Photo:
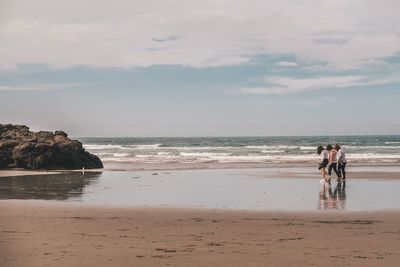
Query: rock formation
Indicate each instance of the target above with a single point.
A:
(22, 148)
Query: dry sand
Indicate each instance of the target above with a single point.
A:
(38, 233)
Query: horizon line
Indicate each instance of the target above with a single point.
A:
(231, 136)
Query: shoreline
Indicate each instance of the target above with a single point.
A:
(387, 172)
(48, 234)
(127, 166)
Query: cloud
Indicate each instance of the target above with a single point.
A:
(286, 64)
(166, 39)
(65, 33)
(286, 85)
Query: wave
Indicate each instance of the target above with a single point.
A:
(229, 158)
(201, 147)
(164, 153)
(121, 155)
(272, 151)
(181, 151)
(96, 148)
(369, 147)
(145, 146)
(273, 147)
(372, 156)
(204, 154)
(102, 147)
(308, 148)
(121, 147)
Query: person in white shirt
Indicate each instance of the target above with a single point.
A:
(333, 161)
(341, 158)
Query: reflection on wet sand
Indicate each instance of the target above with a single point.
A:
(335, 199)
(60, 186)
(211, 189)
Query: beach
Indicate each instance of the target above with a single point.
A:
(199, 133)
(44, 234)
(152, 218)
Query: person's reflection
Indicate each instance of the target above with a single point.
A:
(335, 199)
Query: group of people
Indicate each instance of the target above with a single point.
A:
(335, 159)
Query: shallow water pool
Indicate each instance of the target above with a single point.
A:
(212, 189)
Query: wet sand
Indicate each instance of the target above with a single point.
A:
(22, 172)
(312, 166)
(51, 233)
(358, 171)
(38, 233)
(269, 189)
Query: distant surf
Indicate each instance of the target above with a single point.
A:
(366, 149)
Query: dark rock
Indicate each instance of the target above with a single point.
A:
(8, 127)
(22, 148)
(45, 134)
(61, 133)
(3, 160)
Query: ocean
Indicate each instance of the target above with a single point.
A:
(296, 149)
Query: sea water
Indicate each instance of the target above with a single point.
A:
(367, 149)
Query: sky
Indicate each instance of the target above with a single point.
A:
(201, 68)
